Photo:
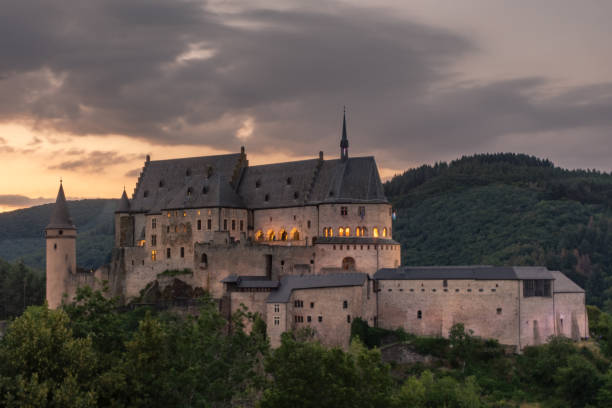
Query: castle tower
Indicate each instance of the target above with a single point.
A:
(61, 251)
(344, 144)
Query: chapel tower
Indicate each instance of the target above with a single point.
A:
(344, 144)
(60, 235)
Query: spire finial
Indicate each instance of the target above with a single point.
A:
(344, 144)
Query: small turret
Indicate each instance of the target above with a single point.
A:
(60, 235)
(124, 203)
(344, 144)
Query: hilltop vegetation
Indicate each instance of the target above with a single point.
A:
(22, 233)
(91, 353)
(508, 209)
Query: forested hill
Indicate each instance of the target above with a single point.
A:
(22, 232)
(508, 209)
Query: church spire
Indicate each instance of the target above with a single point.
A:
(124, 203)
(60, 218)
(344, 144)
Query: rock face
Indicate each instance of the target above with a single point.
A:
(402, 353)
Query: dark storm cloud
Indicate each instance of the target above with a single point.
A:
(117, 67)
(93, 162)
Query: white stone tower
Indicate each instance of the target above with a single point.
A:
(61, 251)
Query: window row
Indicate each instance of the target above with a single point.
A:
(282, 235)
(367, 247)
(420, 313)
(300, 319)
(360, 211)
(169, 254)
(300, 303)
(359, 232)
(445, 290)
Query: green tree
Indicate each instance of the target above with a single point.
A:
(42, 364)
(579, 381)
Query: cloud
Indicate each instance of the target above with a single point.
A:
(8, 200)
(182, 72)
(2, 141)
(133, 173)
(93, 162)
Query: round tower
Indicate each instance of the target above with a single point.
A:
(60, 235)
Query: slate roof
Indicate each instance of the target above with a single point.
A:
(290, 283)
(60, 217)
(251, 281)
(563, 284)
(226, 181)
(195, 182)
(124, 203)
(477, 272)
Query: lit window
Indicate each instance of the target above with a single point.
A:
(384, 232)
(357, 232)
(184, 213)
(169, 215)
(331, 232)
(347, 231)
(340, 232)
(259, 236)
(375, 232)
(154, 255)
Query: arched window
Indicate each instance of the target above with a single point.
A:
(357, 232)
(364, 231)
(340, 232)
(375, 232)
(384, 234)
(271, 235)
(348, 263)
(204, 259)
(295, 234)
(325, 232)
(331, 231)
(259, 235)
(283, 235)
(347, 231)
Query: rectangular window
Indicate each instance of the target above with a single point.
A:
(445, 283)
(298, 303)
(154, 255)
(241, 225)
(153, 240)
(233, 225)
(343, 210)
(209, 224)
(182, 252)
(276, 308)
(276, 320)
(536, 287)
(308, 319)
(224, 225)
(308, 223)
(320, 319)
(348, 318)
(499, 310)
(199, 225)
(312, 305)
(153, 223)
(345, 304)
(298, 319)
(168, 253)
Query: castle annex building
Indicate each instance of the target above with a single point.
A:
(303, 243)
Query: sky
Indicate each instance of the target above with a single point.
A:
(88, 89)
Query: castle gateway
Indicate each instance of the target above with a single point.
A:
(305, 244)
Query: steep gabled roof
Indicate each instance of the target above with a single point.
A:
(194, 182)
(124, 203)
(60, 218)
(563, 284)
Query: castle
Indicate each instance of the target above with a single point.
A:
(304, 244)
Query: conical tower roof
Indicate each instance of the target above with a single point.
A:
(60, 218)
(124, 203)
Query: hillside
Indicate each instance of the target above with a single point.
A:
(504, 209)
(22, 233)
